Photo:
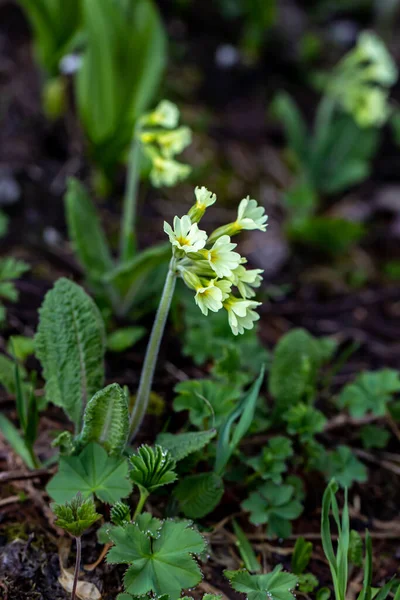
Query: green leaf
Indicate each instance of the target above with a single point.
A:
(199, 494)
(333, 236)
(70, 344)
(120, 513)
(356, 548)
(180, 445)
(55, 24)
(271, 463)
(373, 436)
(76, 516)
(305, 421)
(301, 555)
(106, 420)
(370, 391)
(152, 468)
(284, 109)
(227, 441)
(164, 565)
(122, 65)
(7, 374)
(307, 583)
(276, 585)
(294, 369)
(85, 232)
(245, 549)
(16, 441)
(345, 467)
(21, 347)
(208, 402)
(125, 338)
(275, 505)
(92, 472)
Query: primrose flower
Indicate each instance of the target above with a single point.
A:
(209, 298)
(204, 199)
(171, 142)
(185, 235)
(371, 49)
(166, 171)
(166, 114)
(221, 258)
(245, 280)
(251, 216)
(241, 315)
(225, 286)
(368, 107)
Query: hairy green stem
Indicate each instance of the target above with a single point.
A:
(144, 494)
(77, 566)
(146, 378)
(128, 218)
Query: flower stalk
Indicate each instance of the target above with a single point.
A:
(128, 218)
(77, 565)
(146, 378)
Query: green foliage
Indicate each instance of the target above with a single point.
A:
(271, 463)
(242, 417)
(294, 369)
(345, 467)
(120, 513)
(181, 445)
(91, 472)
(301, 555)
(338, 563)
(373, 436)
(106, 420)
(370, 392)
(10, 269)
(21, 347)
(330, 235)
(76, 516)
(199, 494)
(305, 421)
(211, 339)
(55, 25)
(27, 413)
(160, 562)
(124, 338)
(86, 233)
(152, 468)
(276, 585)
(70, 344)
(275, 505)
(356, 548)
(245, 549)
(208, 402)
(307, 583)
(122, 65)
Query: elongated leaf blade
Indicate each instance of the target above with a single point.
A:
(70, 344)
(15, 440)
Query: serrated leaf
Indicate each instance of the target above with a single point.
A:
(345, 468)
(92, 472)
(307, 583)
(370, 391)
(301, 555)
(70, 344)
(199, 494)
(106, 420)
(373, 436)
(85, 231)
(356, 548)
(277, 585)
(294, 369)
(76, 516)
(152, 468)
(181, 445)
(164, 565)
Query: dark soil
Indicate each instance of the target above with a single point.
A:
(241, 151)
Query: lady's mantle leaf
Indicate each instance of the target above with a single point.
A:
(152, 467)
(164, 565)
(277, 585)
(92, 472)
